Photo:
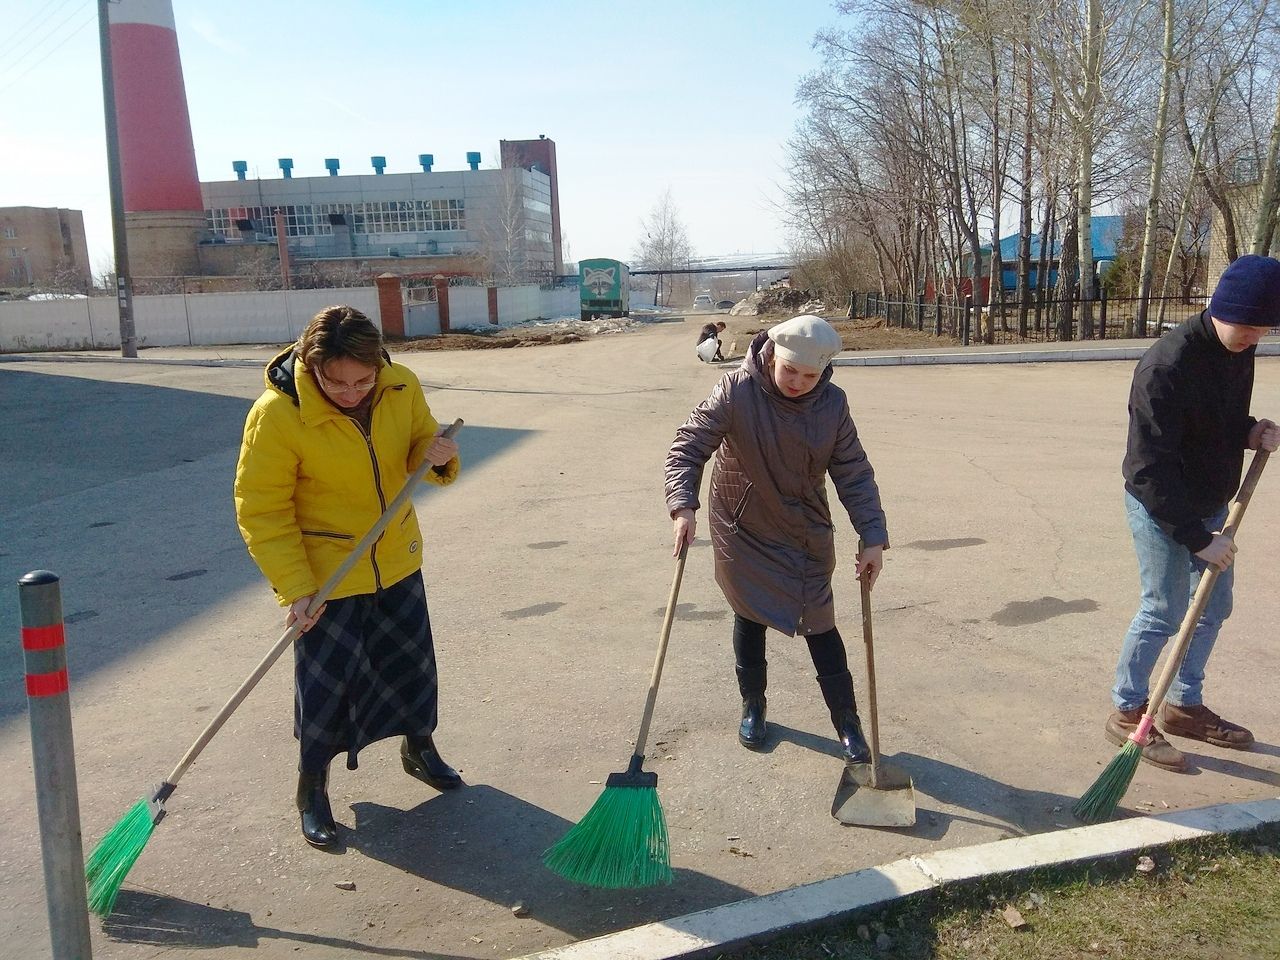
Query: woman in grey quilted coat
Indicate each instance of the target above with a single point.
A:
(778, 427)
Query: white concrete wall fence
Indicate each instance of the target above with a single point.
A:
(469, 306)
(195, 319)
(422, 319)
(170, 320)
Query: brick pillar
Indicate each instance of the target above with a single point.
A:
(390, 304)
(442, 301)
(493, 304)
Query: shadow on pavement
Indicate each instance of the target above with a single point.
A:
(482, 841)
(124, 490)
(160, 921)
(997, 805)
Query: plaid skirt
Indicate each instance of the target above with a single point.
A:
(365, 671)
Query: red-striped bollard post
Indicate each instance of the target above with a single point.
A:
(53, 755)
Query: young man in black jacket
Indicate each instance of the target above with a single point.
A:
(1189, 426)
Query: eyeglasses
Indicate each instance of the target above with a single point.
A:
(335, 386)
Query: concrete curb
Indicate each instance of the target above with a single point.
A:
(146, 361)
(1073, 355)
(736, 925)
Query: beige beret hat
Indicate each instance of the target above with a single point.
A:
(808, 341)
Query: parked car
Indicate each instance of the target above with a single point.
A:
(724, 304)
(702, 302)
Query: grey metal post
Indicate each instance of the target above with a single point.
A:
(53, 756)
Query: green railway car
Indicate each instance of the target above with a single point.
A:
(604, 288)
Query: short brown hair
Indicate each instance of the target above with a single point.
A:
(337, 332)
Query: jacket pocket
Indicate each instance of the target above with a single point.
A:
(740, 508)
(327, 534)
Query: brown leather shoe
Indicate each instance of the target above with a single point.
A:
(1201, 723)
(1158, 751)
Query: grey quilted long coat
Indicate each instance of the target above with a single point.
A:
(771, 529)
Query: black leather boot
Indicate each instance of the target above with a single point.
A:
(751, 684)
(421, 760)
(837, 691)
(318, 828)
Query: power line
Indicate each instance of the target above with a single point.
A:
(12, 83)
(52, 34)
(16, 38)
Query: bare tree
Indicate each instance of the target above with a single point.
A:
(1264, 226)
(665, 244)
(502, 231)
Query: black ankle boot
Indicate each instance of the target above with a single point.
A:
(751, 684)
(318, 828)
(849, 730)
(420, 759)
(837, 691)
(752, 729)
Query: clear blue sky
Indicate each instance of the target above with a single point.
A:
(696, 96)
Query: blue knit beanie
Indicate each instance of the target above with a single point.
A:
(1248, 292)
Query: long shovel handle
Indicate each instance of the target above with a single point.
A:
(872, 713)
(291, 634)
(1207, 581)
(643, 736)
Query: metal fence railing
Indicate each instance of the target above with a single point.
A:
(1045, 320)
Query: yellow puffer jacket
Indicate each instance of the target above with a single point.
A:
(309, 483)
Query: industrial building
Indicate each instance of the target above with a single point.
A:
(43, 247)
(502, 223)
(498, 223)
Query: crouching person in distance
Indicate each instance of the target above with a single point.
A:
(330, 442)
(778, 426)
(1189, 426)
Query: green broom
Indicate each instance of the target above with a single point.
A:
(1100, 800)
(622, 841)
(119, 849)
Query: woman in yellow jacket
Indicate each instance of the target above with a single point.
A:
(330, 442)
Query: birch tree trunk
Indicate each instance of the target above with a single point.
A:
(1157, 172)
(1268, 194)
(1084, 203)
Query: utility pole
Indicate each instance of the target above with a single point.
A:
(124, 283)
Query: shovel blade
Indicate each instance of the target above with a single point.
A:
(890, 803)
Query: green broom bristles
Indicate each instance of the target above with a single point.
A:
(1100, 801)
(115, 855)
(621, 842)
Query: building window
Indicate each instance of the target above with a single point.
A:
(312, 220)
(10, 233)
(15, 273)
(14, 253)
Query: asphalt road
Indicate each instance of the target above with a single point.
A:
(1007, 590)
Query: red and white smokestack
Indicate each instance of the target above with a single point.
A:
(157, 155)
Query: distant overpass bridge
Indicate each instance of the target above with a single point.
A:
(753, 269)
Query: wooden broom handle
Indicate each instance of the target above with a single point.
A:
(321, 595)
(1207, 581)
(643, 736)
(869, 644)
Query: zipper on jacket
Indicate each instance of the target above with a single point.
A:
(741, 508)
(382, 500)
(327, 533)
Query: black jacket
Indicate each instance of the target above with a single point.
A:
(1188, 426)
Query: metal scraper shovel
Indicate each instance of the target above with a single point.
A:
(874, 794)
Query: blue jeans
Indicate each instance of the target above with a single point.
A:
(1165, 568)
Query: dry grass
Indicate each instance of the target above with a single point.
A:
(862, 333)
(488, 341)
(1217, 898)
